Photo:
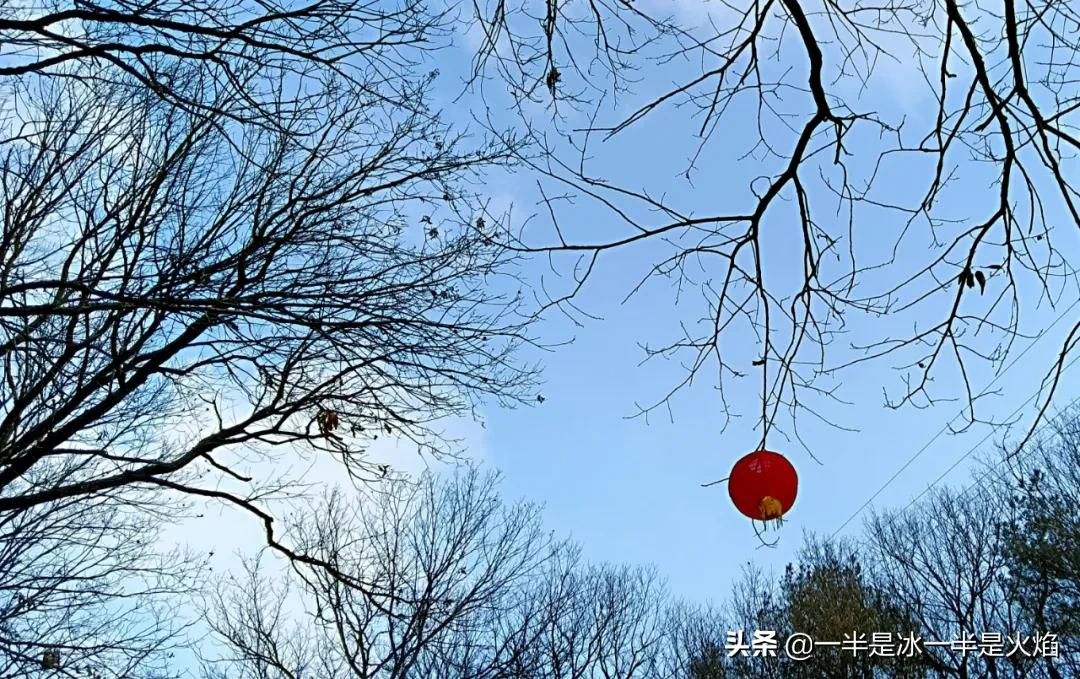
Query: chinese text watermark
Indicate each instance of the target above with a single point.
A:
(801, 646)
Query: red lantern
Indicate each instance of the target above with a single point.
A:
(763, 485)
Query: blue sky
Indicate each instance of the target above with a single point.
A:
(630, 491)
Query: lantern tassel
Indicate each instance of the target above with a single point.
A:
(771, 509)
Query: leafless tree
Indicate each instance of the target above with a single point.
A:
(177, 292)
(694, 643)
(1043, 543)
(449, 553)
(928, 238)
(249, 61)
(945, 560)
(480, 591)
(86, 591)
(484, 594)
(232, 233)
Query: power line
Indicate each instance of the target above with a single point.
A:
(948, 424)
(981, 479)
